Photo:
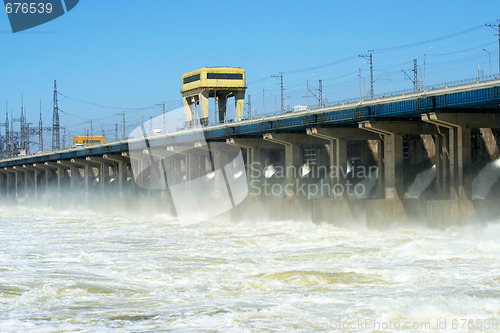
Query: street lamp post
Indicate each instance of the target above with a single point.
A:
(425, 83)
(264, 100)
(360, 91)
(489, 55)
(275, 104)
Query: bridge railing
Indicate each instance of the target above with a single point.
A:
(482, 78)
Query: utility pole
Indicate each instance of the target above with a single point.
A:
(40, 130)
(320, 93)
(7, 132)
(64, 138)
(116, 131)
(123, 128)
(282, 98)
(493, 26)
(415, 75)
(102, 130)
(56, 143)
(22, 127)
(369, 57)
(249, 107)
(489, 58)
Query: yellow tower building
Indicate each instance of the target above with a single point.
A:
(217, 82)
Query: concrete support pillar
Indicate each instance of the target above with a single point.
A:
(46, 178)
(490, 143)
(74, 176)
(35, 183)
(103, 177)
(441, 165)
(464, 163)
(17, 185)
(193, 166)
(86, 179)
(377, 148)
(189, 109)
(203, 98)
(26, 176)
(60, 177)
(122, 174)
(239, 102)
(222, 107)
(10, 187)
(393, 166)
(2, 183)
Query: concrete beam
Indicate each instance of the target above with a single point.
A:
(66, 164)
(114, 157)
(291, 138)
(341, 133)
(468, 120)
(398, 127)
(96, 160)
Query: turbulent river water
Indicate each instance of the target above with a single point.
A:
(82, 271)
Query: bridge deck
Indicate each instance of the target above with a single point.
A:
(480, 96)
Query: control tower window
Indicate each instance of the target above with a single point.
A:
(191, 78)
(224, 76)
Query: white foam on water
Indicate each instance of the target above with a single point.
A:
(85, 271)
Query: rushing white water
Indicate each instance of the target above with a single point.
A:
(421, 183)
(83, 271)
(482, 183)
(366, 184)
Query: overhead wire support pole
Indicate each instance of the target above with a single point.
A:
(494, 27)
(282, 98)
(415, 75)
(55, 122)
(320, 93)
(369, 57)
(40, 130)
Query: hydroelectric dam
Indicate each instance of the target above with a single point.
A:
(426, 155)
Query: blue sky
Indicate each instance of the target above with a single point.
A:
(131, 54)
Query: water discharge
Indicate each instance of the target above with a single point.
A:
(487, 177)
(83, 271)
(421, 183)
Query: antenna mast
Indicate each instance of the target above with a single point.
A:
(56, 143)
